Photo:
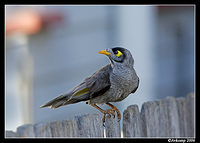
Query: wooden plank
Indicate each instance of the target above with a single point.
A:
(174, 129)
(42, 130)
(57, 129)
(112, 126)
(151, 112)
(163, 128)
(90, 125)
(11, 134)
(26, 130)
(70, 128)
(132, 122)
(181, 107)
(154, 119)
(190, 115)
(143, 116)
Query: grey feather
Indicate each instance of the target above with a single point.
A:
(99, 81)
(58, 101)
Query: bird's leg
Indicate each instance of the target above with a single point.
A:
(109, 111)
(97, 107)
(115, 109)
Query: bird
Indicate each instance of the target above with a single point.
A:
(112, 83)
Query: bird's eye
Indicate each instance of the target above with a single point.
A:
(118, 53)
(115, 52)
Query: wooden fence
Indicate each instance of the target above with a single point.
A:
(171, 117)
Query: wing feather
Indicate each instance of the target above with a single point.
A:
(94, 85)
(99, 81)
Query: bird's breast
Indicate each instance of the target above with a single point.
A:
(122, 82)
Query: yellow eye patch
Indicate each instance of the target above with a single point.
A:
(119, 53)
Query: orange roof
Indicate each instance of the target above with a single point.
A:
(29, 21)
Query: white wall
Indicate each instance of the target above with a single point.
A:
(19, 82)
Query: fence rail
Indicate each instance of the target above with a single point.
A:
(170, 117)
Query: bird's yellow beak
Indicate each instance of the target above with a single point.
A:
(104, 52)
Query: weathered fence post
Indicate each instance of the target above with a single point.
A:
(181, 106)
(70, 128)
(112, 126)
(190, 114)
(174, 129)
(11, 134)
(57, 129)
(42, 130)
(132, 124)
(26, 131)
(150, 114)
(90, 125)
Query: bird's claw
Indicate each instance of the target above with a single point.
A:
(111, 112)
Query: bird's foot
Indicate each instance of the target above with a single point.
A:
(115, 109)
(111, 112)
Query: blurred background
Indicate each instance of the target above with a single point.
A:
(50, 49)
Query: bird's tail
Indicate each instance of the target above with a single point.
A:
(73, 96)
(58, 101)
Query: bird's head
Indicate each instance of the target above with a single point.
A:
(119, 56)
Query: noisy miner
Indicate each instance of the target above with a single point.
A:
(112, 83)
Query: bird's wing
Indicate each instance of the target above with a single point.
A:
(93, 86)
(99, 82)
